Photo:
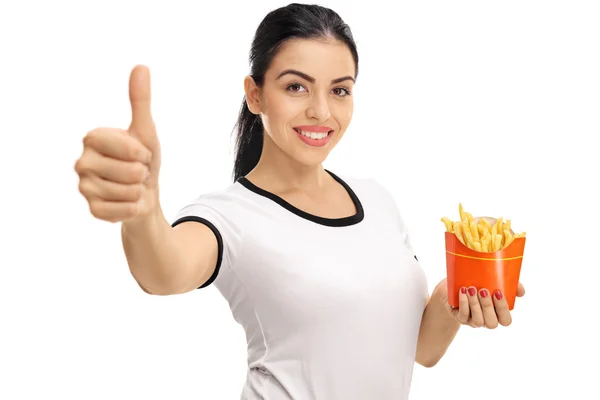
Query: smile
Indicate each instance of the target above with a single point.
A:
(313, 135)
(314, 138)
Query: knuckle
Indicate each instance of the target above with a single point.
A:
(135, 192)
(474, 304)
(83, 187)
(478, 322)
(96, 209)
(90, 137)
(138, 172)
(86, 139)
(463, 318)
(491, 324)
(80, 165)
(132, 152)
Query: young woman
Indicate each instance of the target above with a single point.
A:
(317, 268)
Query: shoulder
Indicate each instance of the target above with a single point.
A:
(223, 201)
(220, 210)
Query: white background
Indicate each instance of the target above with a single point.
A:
(492, 104)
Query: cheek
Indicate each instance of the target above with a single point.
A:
(344, 114)
(274, 108)
(278, 111)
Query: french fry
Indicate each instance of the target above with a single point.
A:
(487, 224)
(479, 234)
(469, 217)
(467, 234)
(494, 234)
(448, 224)
(458, 232)
(509, 238)
(474, 231)
(486, 243)
(500, 229)
(498, 242)
(481, 228)
(461, 211)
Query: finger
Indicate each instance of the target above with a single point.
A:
(476, 313)
(117, 144)
(115, 211)
(463, 307)
(502, 311)
(91, 186)
(520, 290)
(142, 124)
(128, 172)
(487, 308)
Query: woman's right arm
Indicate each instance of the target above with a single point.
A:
(166, 260)
(118, 176)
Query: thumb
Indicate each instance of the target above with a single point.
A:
(142, 125)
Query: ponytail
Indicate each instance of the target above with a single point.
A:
(248, 143)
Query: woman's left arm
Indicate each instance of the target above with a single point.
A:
(441, 322)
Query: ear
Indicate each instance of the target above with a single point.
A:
(252, 95)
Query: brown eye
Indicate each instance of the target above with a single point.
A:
(295, 87)
(341, 92)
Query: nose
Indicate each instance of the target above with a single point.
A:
(318, 108)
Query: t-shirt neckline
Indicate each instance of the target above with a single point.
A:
(333, 222)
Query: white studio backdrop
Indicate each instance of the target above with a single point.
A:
(492, 104)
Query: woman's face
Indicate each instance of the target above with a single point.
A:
(306, 99)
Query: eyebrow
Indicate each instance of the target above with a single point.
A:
(310, 78)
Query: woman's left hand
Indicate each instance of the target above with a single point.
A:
(482, 308)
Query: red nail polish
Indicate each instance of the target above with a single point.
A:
(463, 290)
(483, 293)
(472, 291)
(498, 295)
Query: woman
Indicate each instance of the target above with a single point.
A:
(317, 268)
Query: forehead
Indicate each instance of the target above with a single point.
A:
(321, 59)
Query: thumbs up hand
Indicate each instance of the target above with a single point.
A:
(118, 169)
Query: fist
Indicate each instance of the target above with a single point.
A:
(118, 169)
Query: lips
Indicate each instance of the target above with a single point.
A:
(314, 136)
(313, 128)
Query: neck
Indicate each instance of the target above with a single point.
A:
(279, 172)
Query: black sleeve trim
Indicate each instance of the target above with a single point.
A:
(219, 243)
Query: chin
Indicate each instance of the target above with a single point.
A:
(310, 157)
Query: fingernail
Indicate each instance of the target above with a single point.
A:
(483, 293)
(463, 290)
(472, 291)
(498, 295)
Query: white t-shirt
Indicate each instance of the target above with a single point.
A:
(331, 307)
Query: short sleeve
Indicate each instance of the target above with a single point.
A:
(218, 212)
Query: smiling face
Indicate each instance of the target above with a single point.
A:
(305, 101)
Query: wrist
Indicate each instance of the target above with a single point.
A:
(143, 222)
(439, 302)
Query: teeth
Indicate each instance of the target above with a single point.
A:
(314, 135)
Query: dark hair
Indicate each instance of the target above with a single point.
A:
(300, 21)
